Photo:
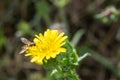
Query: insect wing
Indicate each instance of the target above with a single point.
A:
(24, 48)
(25, 41)
(22, 51)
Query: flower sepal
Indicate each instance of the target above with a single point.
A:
(63, 65)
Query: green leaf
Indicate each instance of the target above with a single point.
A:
(24, 28)
(77, 37)
(102, 60)
(69, 47)
(43, 8)
(83, 56)
(60, 3)
(3, 39)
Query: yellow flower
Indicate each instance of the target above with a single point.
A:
(46, 46)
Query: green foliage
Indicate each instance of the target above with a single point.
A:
(102, 60)
(118, 52)
(80, 14)
(42, 8)
(24, 28)
(36, 76)
(2, 39)
(60, 3)
(110, 14)
(77, 36)
(64, 64)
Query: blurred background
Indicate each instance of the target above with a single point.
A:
(93, 26)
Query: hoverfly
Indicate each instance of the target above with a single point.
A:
(26, 46)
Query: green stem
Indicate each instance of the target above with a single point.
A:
(63, 17)
(47, 19)
(59, 69)
(67, 75)
(73, 72)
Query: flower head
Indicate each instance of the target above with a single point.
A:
(47, 46)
